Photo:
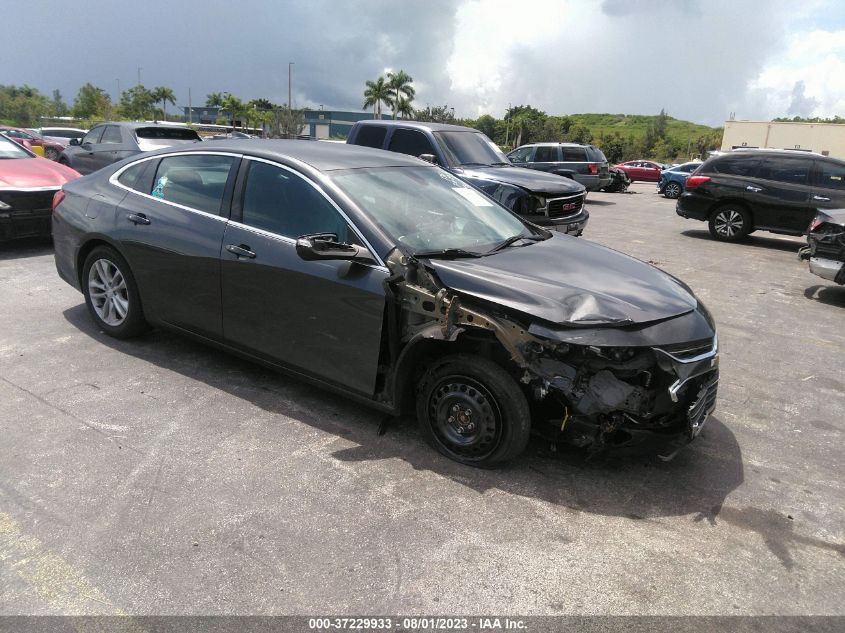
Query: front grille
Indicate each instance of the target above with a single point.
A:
(705, 401)
(559, 207)
(29, 201)
(685, 351)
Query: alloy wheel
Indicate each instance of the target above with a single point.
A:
(108, 292)
(672, 190)
(728, 223)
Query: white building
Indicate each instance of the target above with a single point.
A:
(824, 138)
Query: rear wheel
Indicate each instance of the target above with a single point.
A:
(471, 410)
(730, 223)
(673, 190)
(51, 153)
(111, 294)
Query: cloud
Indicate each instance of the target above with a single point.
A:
(801, 105)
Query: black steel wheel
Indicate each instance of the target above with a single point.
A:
(471, 410)
(111, 294)
(730, 223)
(673, 190)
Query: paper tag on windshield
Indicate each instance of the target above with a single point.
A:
(473, 196)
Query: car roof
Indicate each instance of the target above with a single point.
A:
(320, 156)
(137, 124)
(420, 125)
(553, 144)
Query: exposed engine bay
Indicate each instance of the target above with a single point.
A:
(583, 393)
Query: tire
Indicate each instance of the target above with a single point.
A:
(458, 386)
(51, 154)
(673, 190)
(111, 294)
(730, 223)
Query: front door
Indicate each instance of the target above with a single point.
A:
(171, 228)
(83, 157)
(323, 318)
(829, 185)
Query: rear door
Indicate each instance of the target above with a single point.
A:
(546, 157)
(829, 185)
(781, 194)
(171, 226)
(321, 318)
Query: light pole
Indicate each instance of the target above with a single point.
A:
(139, 75)
(118, 89)
(290, 71)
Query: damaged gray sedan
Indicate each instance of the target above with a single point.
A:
(388, 279)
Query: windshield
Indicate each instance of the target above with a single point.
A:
(470, 148)
(428, 209)
(10, 149)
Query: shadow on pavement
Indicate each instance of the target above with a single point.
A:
(600, 203)
(831, 295)
(29, 247)
(697, 481)
(756, 241)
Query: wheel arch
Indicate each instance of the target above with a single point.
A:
(730, 201)
(89, 245)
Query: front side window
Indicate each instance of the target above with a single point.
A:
(426, 208)
(195, 181)
(831, 175)
(545, 154)
(410, 142)
(93, 135)
(521, 155)
(281, 202)
(470, 148)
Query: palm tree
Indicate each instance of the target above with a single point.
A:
(165, 95)
(400, 84)
(215, 99)
(404, 109)
(376, 93)
(234, 105)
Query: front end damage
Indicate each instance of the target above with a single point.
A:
(589, 395)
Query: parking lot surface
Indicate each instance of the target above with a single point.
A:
(159, 476)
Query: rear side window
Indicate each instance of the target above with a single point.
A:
(595, 154)
(371, 136)
(171, 134)
(831, 175)
(195, 181)
(574, 155)
(283, 203)
(546, 154)
(783, 169)
(112, 135)
(410, 142)
(130, 176)
(734, 166)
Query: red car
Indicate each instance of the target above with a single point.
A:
(51, 148)
(27, 186)
(642, 170)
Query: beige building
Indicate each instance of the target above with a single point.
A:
(824, 138)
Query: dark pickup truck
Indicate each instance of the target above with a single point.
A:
(544, 199)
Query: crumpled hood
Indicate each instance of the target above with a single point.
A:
(24, 173)
(530, 179)
(569, 281)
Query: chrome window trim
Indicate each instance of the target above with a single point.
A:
(28, 189)
(319, 188)
(113, 180)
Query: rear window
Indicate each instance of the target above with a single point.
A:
(170, 134)
(371, 136)
(734, 166)
(574, 155)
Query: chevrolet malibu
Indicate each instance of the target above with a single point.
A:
(388, 279)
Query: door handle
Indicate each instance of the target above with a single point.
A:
(754, 189)
(821, 198)
(240, 251)
(138, 218)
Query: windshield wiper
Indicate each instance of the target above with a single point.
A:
(446, 253)
(501, 164)
(515, 238)
(474, 164)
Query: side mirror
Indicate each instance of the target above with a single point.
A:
(324, 246)
(75, 141)
(429, 158)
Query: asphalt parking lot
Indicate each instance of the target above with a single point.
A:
(158, 476)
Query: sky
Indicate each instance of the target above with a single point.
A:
(700, 60)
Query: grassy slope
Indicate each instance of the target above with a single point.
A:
(635, 125)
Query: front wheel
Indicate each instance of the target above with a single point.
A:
(673, 190)
(471, 410)
(111, 294)
(730, 223)
(51, 154)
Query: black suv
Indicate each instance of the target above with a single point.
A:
(543, 199)
(770, 190)
(585, 163)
